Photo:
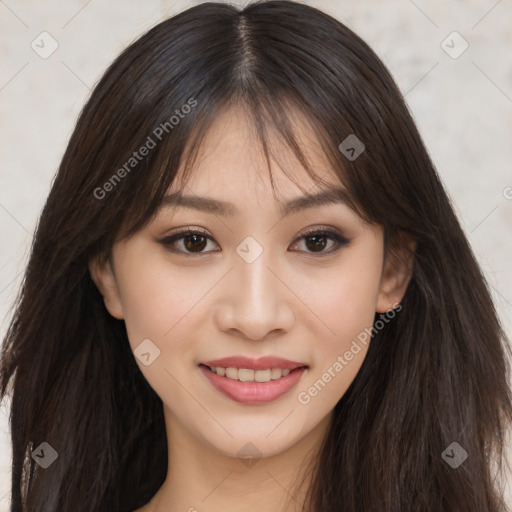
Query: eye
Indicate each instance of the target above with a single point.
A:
(194, 241)
(316, 240)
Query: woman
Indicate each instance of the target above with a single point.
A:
(248, 290)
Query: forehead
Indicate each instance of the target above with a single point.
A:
(231, 161)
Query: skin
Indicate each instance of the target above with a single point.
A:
(289, 302)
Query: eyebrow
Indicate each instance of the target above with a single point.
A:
(225, 209)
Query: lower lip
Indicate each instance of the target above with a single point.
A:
(253, 392)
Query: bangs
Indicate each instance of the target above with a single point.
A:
(275, 121)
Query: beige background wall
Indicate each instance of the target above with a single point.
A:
(462, 104)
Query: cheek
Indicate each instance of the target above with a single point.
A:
(156, 297)
(159, 304)
(346, 300)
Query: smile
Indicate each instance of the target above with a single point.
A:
(252, 387)
(248, 375)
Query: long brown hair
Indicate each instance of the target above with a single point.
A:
(437, 374)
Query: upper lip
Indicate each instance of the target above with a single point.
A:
(262, 363)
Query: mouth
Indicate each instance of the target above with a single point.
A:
(267, 382)
(251, 375)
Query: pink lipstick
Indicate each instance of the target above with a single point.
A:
(253, 381)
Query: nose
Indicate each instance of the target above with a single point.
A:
(255, 302)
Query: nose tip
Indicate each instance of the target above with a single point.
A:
(254, 327)
(255, 302)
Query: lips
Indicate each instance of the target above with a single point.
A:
(253, 392)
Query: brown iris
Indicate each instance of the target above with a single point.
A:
(318, 244)
(193, 242)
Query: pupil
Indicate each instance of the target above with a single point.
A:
(193, 245)
(316, 246)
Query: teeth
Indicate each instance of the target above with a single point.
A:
(232, 373)
(262, 375)
(247, 375)
(276, 373)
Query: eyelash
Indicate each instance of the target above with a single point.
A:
(340, 241)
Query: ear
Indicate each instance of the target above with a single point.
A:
(397, 271)
(103, 276)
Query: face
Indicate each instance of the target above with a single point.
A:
(290, 290)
